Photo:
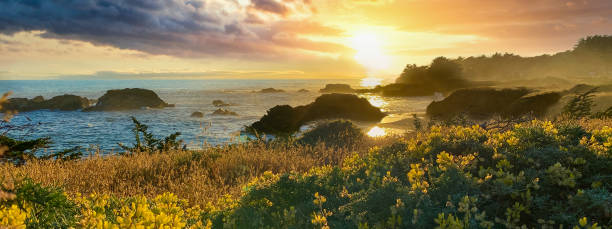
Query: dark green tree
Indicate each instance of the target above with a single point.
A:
(146, 141)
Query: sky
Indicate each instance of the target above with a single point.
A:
(187, 39)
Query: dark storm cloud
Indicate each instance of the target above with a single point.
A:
(188, 28)
(270, 6)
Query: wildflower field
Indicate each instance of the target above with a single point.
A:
(536, 174)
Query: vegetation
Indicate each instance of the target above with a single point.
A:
(581, 105)
(148, 142)
(534, 174)
(591, 56)
(442, 75)
(334, 134)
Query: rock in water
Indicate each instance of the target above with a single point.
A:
(67, 103)
(224, 112)
(285, 119)
(197, 114)
(303, 91)
(128, 99)
(485, 103)
(62, 102)
(271, 90)
(337, 88)
(220, 103)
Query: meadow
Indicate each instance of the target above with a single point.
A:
(533, 174)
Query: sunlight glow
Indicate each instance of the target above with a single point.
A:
(377, 132)
(376, 101)
(371, 82)
(369, 52)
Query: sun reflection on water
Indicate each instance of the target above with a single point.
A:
(377, 132)
(376, 101)
(370, 82)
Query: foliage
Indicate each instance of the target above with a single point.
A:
(334, 134)
(537, 174)
(36, 206)
(603, 114)
(163, 211)
(580, 106)
(148, 142)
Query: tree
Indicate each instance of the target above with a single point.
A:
(580, 106)
(148, 142)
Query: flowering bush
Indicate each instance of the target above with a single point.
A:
(535, 175)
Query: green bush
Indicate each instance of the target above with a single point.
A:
(148, 142)
(48, 207)
(334, 134)
(536, 175)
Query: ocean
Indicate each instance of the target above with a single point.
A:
(102, 131)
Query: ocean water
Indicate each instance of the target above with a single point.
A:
(103, 130)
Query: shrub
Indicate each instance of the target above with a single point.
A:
(38, 207)
(334, 134)
(149, 143)
(580, 105)
(536, 174)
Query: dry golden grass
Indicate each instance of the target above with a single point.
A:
(198, 176)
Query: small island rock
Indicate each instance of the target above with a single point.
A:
(220, 103)
(197, 114)
(224, 112)
(271, 90)
(337, 88)
(285, 119)
(128, 99)
(62, 102)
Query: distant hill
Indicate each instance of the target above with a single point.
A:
(590, 58)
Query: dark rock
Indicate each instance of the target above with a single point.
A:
(62, 102)
(303, 91)
(220, 103)
(224, 112)
(337, 88)
(284, 119)
(67, 103)
(484, 103)
(38, 99)
(128, 99)
(271, 90)
(197, 114)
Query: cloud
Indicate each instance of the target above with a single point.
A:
(270, 6)
(184, 28)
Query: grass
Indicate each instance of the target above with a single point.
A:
(198, 176)
(535, 174)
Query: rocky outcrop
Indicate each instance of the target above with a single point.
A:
(285, 119)
(337, 88)
(303, 91)
(197, 114)
(271, 90)
(224, 112)
(62, 102)
(219, 103)
(484, 103)
(128, 99)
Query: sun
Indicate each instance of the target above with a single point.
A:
(369, 51)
